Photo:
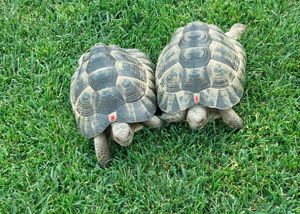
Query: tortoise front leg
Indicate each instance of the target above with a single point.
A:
(231, 118)
(102, 150)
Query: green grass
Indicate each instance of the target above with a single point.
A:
(46, 166)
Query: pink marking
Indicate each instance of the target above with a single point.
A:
(112, 117)
(196, 99)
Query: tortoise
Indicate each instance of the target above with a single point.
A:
(200, 75)
(112, 94)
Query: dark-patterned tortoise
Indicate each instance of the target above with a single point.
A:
(112, 95)
(200, 75)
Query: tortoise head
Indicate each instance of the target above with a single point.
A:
(122, 133)
(237, 30)
(241, 28)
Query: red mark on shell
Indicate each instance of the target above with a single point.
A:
(196, 99)
(112, 117)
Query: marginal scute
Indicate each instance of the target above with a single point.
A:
(237, 87)
(173, 105)
(85, 105)
(111, 79)
(86, 57)
(242, 66)
(162, 98)
(185, 99)
(209, 97)
(233, 97)
(223, 100)
(100, 121)
(241, 79)
(82, 68)
(136, 53)
(149, 101)
(76, 89)
(179, 30)
(172, 53)
(173, 44)
(85, 124)
(174, 41)
(147, 64)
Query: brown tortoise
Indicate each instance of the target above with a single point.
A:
(200, 75)
(112, 94)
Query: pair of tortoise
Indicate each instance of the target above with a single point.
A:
(199, 77)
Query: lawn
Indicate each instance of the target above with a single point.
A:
(48, 167)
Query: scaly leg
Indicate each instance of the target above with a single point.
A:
(153, 122)
(176, 117)
(213, 114)
(135, 127)
(102, 150)
(231, 118)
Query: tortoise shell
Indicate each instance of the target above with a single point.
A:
(200, 65)
(112, 84)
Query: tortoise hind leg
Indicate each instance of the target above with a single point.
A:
(213, 114)
(135, 127)
(102, 150)
(153, 122)
(176, 117)
(231, 118)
